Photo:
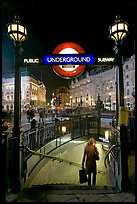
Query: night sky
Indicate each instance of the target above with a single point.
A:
(85, 23)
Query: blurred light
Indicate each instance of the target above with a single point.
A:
(63, 129)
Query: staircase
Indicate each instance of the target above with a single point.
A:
(76, 192)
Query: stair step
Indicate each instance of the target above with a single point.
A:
(38, 193)
(74, 188)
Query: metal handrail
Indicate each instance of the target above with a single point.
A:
(52, 157)
(114, 130)
(110, 152)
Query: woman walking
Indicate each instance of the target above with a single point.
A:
(89, 150)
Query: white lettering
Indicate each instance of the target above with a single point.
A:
(68, 59)
(34, 61)
(103, 59)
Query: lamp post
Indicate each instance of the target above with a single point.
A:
(18, 33)
(117, 32)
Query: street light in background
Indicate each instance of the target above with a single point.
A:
(98, 109)
(117, 32)
(18, 33)
(70, 101)
(109, 101)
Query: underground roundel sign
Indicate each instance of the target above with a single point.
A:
(72, 69)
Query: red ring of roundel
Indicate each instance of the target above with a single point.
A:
(68, 74)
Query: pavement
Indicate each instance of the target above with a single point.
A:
(44, 190)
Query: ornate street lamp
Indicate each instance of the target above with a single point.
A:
(18, 33)
(117, 32)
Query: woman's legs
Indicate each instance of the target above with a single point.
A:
(94, 178)
(89, 179)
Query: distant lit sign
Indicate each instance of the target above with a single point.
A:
(68, 67)
(102, 139)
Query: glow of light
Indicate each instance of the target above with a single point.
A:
(106, 134)
(63, 129)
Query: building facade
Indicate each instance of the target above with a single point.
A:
(33, 91)
(129, 82)
(84, 90)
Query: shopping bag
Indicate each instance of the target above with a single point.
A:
(82, 176)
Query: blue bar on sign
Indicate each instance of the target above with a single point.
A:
(58, 59)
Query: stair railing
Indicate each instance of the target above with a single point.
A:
(110, 152)
(52, 157)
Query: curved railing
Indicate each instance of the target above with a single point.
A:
(113, 159)
(110, 152)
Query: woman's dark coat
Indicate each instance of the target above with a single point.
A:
(88, 156)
